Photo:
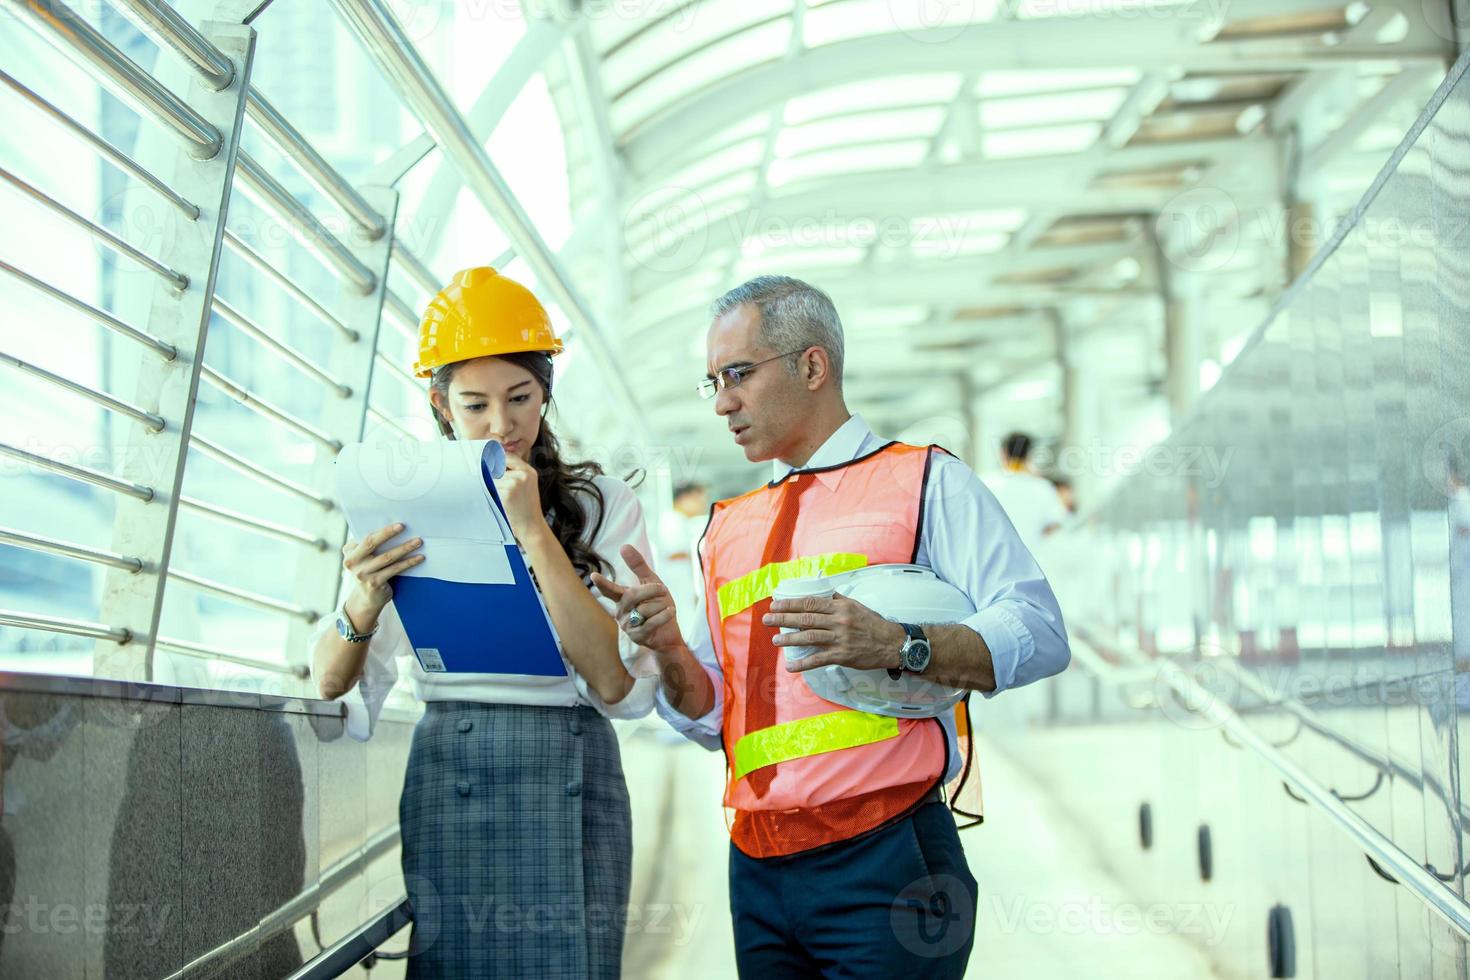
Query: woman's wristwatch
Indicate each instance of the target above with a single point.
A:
(348, 633)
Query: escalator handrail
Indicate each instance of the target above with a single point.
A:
(357, 945)
(293, 910)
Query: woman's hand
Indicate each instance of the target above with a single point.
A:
(374, 572)
(520, 494)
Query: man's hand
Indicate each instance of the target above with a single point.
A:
(659, 629)
(843, 631)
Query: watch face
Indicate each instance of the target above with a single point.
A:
(916, 655)
(347, 632)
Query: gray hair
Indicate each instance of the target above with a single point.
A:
(795, 315)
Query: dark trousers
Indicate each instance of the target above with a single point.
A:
(899, 902)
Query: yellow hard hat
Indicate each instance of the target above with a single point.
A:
(482, 313)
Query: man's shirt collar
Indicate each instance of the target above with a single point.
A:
(842, 446)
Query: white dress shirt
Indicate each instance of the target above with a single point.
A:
(966, 539)
(389, 650)
(1031, 502)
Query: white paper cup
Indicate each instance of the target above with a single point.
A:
(802, 588)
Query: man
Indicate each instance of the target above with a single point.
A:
(1030, 501)
(844, 859)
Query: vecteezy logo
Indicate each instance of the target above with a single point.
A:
(1185, 692)
(934, 916)
(1449, 19)
(1199, 229)
(666, 229)
(933, 21)
(133, 703)
(388, 888)
(141, 220)
(1445, 460)
(418, 18)
(396, 466)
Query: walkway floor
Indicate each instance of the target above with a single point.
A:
(1048, 906)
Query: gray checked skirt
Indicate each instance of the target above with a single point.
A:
(517, 843)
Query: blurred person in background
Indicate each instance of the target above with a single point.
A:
(514, 796)
(844, 859)
(680, 530)
(1030, 501)
(1066, 493)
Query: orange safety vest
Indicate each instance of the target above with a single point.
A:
(804, 772)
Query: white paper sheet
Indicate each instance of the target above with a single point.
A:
(435, 488)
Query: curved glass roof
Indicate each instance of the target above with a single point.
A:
(961, 177)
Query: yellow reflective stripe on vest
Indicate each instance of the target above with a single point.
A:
(740, 594)
(810, 736)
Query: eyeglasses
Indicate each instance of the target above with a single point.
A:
(731, 377)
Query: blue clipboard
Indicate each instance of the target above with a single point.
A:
(473, 628)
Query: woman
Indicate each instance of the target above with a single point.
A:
(517, 848)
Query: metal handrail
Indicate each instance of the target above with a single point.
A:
(1385, 764)
(400, 315)
(66, 549)
(275, 197)
(234, 517)
(288, 286)
(265, 409)
(109, 238)
(151, 420)
(281, 349)
(167, 351)
(82, 474)
(163, 23)
(225, 591)
(397, 371)
(386, 44)
(1197, 699)
(415, 268)
(71, 627)
(103, 60)
(203, 652)
(292, 911)
(323, 174)
(255, 471)
(105, 149)
(383, 419)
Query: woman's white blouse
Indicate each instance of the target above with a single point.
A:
(389, 652)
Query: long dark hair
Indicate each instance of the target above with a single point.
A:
(557, 479)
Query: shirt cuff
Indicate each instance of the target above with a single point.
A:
(1009, 641)
(703, 731)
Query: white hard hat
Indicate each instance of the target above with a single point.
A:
(904, 594)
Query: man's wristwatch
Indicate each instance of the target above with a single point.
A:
(348, 633)
(915, 652)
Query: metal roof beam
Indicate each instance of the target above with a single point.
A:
(988, 183)
(1154, 42)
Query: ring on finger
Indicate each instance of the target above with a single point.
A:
(635, 619)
